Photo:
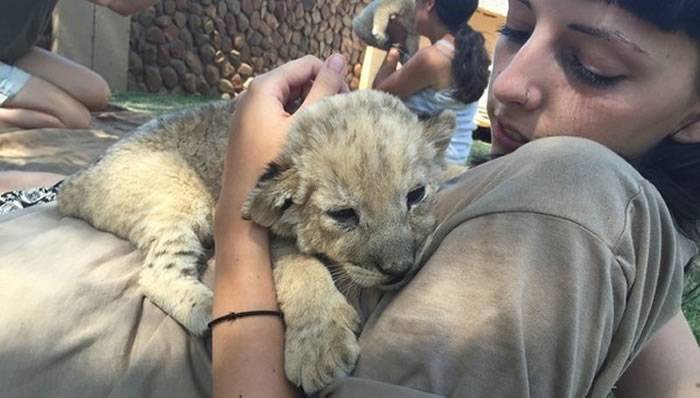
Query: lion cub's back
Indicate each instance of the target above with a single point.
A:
(177, 154)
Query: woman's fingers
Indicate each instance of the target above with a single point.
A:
(330, 80)
(280, 82)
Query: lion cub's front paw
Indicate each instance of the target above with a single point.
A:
(322, 346)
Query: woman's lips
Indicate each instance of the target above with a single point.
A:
(505, 137)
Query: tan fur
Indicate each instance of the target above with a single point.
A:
(363, 151)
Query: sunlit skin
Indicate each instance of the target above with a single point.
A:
(593, 70)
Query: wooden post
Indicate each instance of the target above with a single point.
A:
(95, 37)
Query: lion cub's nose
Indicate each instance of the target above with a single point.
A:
(395, 268)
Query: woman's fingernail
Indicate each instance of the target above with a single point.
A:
(336, 62)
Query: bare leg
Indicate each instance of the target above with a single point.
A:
(40, 104)
(81, 83)
(59, 94)
(13, 180)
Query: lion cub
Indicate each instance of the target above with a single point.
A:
(349, 199)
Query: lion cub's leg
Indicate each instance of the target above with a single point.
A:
(157, 201)
(320, 340)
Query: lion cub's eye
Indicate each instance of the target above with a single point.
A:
(415, 196)
(345, 216)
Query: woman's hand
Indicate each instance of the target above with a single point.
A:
(261, 120)
(397, 32)
(248, 354)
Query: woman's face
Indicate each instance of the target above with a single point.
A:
(589, 69)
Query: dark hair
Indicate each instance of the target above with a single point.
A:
(672, 167)
(455, 13)
(470, 64)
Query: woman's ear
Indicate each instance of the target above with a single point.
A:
(690, 132)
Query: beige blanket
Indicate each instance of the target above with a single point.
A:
(78, 321)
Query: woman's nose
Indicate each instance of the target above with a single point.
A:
(521, 80)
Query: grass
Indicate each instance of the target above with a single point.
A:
(157, 103)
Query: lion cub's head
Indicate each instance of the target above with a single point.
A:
(356, 185)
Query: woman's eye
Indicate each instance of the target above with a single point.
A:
(589, 77)
(415, 196)
(514, 35)
(347, 216)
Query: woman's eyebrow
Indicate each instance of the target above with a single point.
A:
(609, 35)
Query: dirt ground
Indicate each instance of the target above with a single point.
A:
(64, 151)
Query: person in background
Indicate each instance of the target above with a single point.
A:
(37, 87)
(451, 73)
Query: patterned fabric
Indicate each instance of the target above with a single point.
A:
(15, 200)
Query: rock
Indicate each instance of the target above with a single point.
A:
(163, 21)
(163, 55)
(243, 23)
(189, 83)
(255, 20)
(357, 70)
(155, 35)
(180, 19)
(193, 63)
(153, 79)
(179, 67)
(245, 70)
(135, 62)
(169, 76)
(225, 86)
(147, 16)
(177, 49)
(247, 7)
(230, 22)
(255, 38)
(227, 70)
(221, 8)
(169, 7)
(195, 22)
(211, 74)
(201, 39)
(208, 26)
(237, 83)
(150, 54)
(207, 53)
(226, 44)
(182, 5)
(202, 86)
(238, 42)
(234, 6)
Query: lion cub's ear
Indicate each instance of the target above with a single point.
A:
(273, 194)
(439, 130)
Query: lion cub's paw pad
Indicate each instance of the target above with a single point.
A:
(327, 349)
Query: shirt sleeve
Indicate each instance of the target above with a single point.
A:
(513, 304)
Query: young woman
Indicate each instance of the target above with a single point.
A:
(557, 269)
(451, 73)
(37, 87)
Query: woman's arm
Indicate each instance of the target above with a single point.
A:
(248, 353)
(669, 366)
(125, 7)
(419, 72)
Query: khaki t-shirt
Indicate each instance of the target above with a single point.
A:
(549, 271)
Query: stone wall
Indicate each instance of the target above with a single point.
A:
(214, 47)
